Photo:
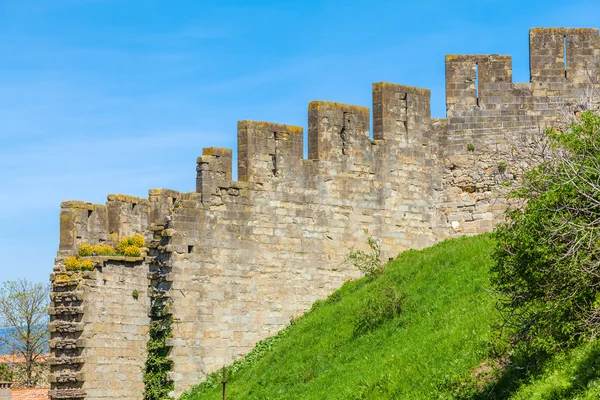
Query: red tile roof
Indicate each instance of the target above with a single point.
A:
(30, 394)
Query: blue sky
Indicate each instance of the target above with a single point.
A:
(107, 96)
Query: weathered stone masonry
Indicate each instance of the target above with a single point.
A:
(238, 259)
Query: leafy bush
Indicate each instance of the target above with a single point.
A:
(6, 373)
(385, 304)
(547, 269)
(367, 263)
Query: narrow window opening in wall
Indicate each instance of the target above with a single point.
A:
(190, 249)
(565, 54)
(133, 206)
(90, 212)
(274, 169)
(477, 83)
(406, 113)
(346, 125)
(274, 164)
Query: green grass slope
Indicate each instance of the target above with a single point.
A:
(573, 374)
(439, 337)
(436, 347)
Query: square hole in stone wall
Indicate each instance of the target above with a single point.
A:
(190, 249)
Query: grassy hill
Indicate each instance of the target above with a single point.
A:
(422, 330)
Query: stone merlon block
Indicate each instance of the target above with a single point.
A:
(268, 150)
(127, 199)
(468, 78)
(399, 111)
(213, 170)
(217, 152)
(336, 130)
(82, 222)
(561, 54)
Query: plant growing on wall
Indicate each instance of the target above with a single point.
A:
(76, 263)
(369, 263)
(130, 246)
(86, 250)
(158, 364)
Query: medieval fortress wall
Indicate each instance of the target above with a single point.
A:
(237, 259)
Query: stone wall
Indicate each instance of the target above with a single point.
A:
(238, 259)
(115, 330)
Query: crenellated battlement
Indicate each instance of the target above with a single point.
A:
(121, 216)
(237, 259)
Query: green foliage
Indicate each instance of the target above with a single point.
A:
(502, 167)
(158, 364)
(546, 269)
(470, 147)
(384, 304)
(441, 334)
(368, 263)
(6, 374)
(572, 374)
(569, 374)
(135, 294)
